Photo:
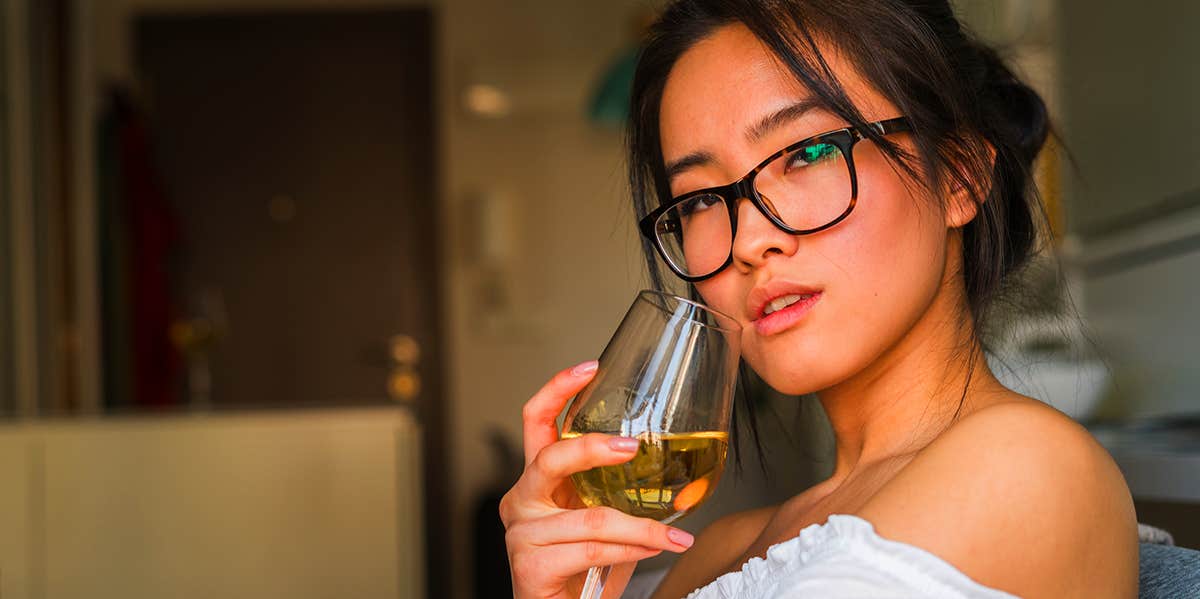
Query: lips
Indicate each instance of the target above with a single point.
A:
(762, 297)
(779, 305)
(783, 302)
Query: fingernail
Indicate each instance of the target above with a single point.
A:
(585, 368)
(624, 444)
(680, 537)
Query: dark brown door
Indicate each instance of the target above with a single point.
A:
(298, 154)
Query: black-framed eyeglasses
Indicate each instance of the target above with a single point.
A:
(805, 188)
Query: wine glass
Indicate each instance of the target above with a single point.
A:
(667, 379)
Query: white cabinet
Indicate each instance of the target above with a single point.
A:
(289, 504)
(17, 570)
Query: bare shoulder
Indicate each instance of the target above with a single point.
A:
(1021, 498)
(715, 547)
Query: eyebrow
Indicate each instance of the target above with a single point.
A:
(779, 118)
(755, 133)
(677, 167)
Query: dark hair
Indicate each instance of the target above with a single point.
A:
(963, 101)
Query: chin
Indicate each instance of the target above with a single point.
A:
(792, 381)
(796, 388)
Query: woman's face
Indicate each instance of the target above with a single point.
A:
(870, 277)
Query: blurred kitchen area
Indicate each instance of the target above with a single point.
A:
(276, 277)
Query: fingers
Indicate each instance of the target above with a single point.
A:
(549, 566)
(549, 545)
(561, 459)
(544, 407)
(534, 494)
(601, 524)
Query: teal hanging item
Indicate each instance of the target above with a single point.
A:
(610, 101)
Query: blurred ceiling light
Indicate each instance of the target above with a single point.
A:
(487, 101)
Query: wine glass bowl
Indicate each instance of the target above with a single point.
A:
(670, 475)
(667, 379)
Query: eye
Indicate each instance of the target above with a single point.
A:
(813, 154)
(697, 204)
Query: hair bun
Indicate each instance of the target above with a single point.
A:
(1013, 108)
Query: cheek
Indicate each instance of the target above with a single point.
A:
(890, 249)
(895, 249)
(891, 265)
(881, 268)
(722, 293)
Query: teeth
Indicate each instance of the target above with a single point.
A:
(783, 302)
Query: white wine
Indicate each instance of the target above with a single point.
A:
(671, 474)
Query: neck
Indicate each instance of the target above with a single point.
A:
(912, 392)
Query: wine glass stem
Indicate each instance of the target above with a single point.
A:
(593, 586)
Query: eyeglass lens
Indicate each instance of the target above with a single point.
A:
(807, 188)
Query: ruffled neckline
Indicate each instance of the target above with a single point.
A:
(760, 575)
(837, 529)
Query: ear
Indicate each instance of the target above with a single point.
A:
(961, 208)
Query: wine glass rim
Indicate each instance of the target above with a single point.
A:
(732, 327)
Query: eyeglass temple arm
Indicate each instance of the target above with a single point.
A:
(887, 127)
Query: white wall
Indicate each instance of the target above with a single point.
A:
(576, 259)
(1141, 305)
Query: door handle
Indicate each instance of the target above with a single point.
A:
(404, 381)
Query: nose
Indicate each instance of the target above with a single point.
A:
(757, 239)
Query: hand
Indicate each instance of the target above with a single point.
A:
(552, 538)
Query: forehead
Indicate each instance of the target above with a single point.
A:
(729, 80)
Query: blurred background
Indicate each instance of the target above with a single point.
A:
(276, 277)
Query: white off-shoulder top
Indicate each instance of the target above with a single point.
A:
(842, 559)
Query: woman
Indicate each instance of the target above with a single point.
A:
(888, 200)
